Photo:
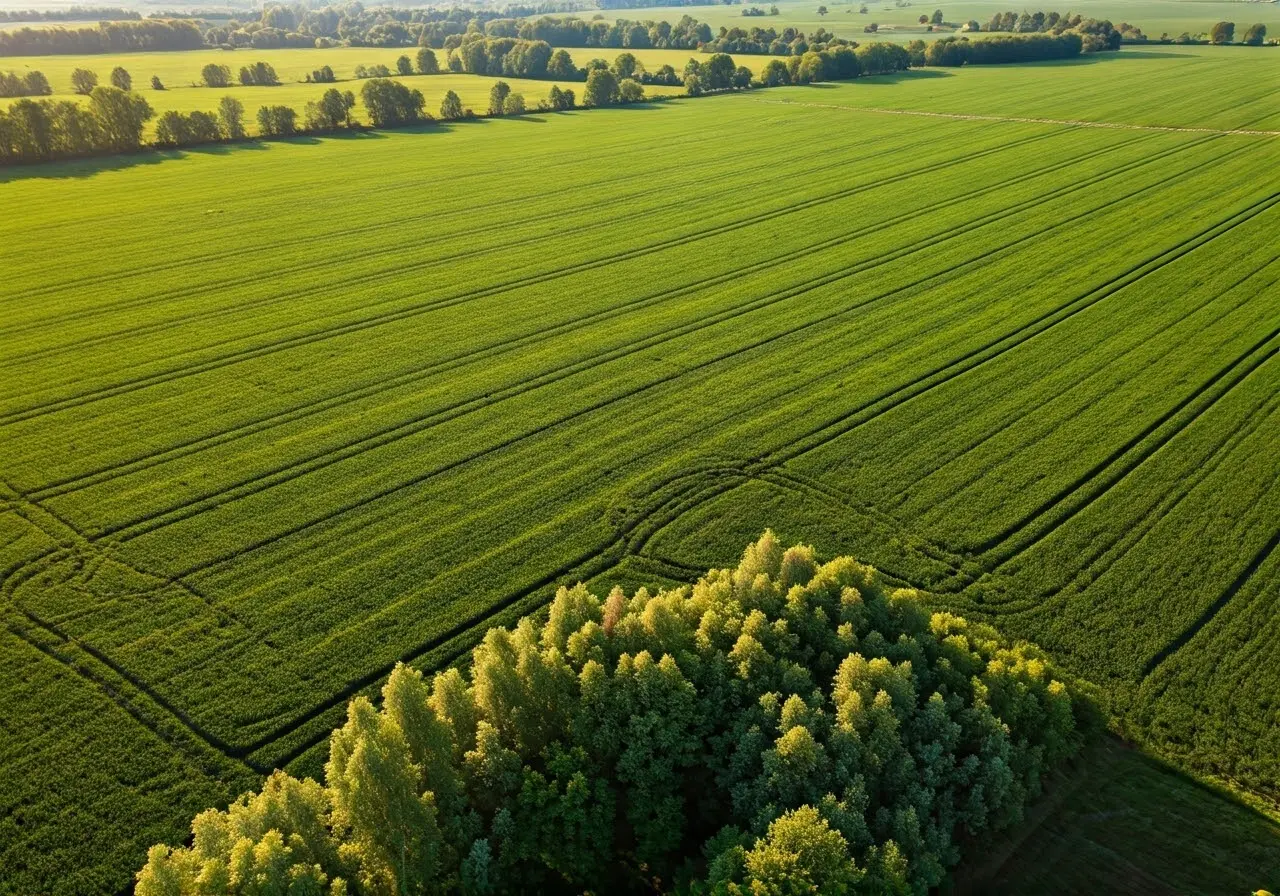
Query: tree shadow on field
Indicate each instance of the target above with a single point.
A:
(915, 74)
(1151, 54)
(83, 168)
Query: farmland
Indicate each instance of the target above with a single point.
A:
(180, 73)
(277, 416)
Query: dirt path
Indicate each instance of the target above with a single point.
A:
(1114, 125)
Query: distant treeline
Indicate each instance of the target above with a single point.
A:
(32, 131)
(953, 51)
(686, 34)
(72, 14)
(1096, 34)
(768, 41)
(839, 63)
(106, 37)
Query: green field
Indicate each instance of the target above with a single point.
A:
(180, 73)
(902, 23)
(278, 415)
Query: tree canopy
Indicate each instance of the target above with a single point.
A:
(783, 727)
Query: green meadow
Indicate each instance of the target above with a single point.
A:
(845, 19)
(184, 92)
(279, 415)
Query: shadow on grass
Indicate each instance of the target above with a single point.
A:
(915, 74)
(1121, 821)
(83, 168)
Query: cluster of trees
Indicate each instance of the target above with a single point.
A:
(105, 37)
(260, 74)
(640, 4)
(955, 51)
(277, 121)
(687, 34)
(787, 42)
(30, 84)
(784, 727)
(837, 64)
(371, 71)
(392, 104)
(332, 111)
(352, 24)
(1096, 34)
(1225, 32)
(70, 14)
(512, 57)
(752, 11)
(35, 131)
(323, 75)
(717, 72)
(215, 75)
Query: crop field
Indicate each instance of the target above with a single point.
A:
(180, 73)
(275, 417)
(902, 22)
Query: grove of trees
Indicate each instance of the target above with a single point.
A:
(260, 74)
(1096, 34)
(787, 42)
(105, 37)
(954, 51)
(783, 727)
(215, 75)
(1255, 35)
(390, 103)
(24, 84)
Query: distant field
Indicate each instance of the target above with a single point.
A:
(844, 18)
(180, 73)
(279, 415)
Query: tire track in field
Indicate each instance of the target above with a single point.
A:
(553, 576)
(1089, 372)
(1075, 123)
(579, 564)
(880, 405)
(493, 609)
(16, 578)
(1116, 467)
(351, 395)
(888, 400)
(845, 422)
(371, 227)
(584, 566)
(1102, 559)
(606, 555)
(335, 260)
(129, 529)
(131, 385)
(147, 720)
(1207, 616)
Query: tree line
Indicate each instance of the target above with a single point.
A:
(785, 727)
(686, 34)
(40, 130)
(105, 37)
(953, 51)
(837, 64)
(769, 41)
(1095, 34)
(37, 131)
(70, 14)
